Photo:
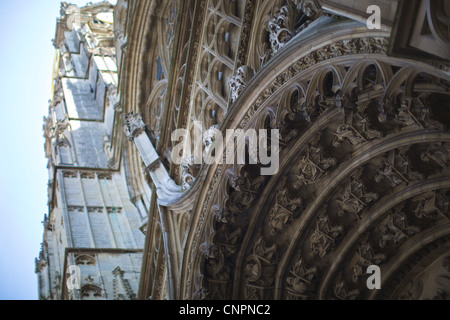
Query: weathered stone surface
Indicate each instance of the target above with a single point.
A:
(363, 175)
(92, 224)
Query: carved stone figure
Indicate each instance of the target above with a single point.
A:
(308, 7)
(354, 197)
(278, 218)
(133, 125)
(432, 205)
(408, 111)
(355, 132)
(404, 115)
(239, 81)
(223, 215)
(361, 126)
(413, 290)
(188, 172)
(342, 293)
(438, 153)
(245, 189)
(216, 273)
(345, 133)
(289, 135)
(283, 210)
(367, 257)
(312, 166)
(367, 254)
(396, 229)
(423, 114)
(227, 238)
(299, 281)
(210, 135)
(201, 294)
(396, 169)
(324, 236)
(215, 266)
(260, 268)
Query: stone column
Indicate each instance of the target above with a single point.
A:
(167, 190)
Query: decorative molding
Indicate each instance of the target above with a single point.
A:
(133, 125)
(244, 38)
(239, 80)
(122, 288)
(373, 45)
(194, 50)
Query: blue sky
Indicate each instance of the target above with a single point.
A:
(26, 57)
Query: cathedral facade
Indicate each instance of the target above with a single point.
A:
(353, 98)
(92, 246)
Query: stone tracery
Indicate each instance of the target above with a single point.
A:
(366, 131)
(350, 119)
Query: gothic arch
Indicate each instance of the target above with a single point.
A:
(349, 173)
(85, 259)
(91, 292)
(260, 50)
(155, 107)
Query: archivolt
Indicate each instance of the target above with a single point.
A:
(347, 114)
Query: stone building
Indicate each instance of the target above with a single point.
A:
(360, 107)
(92, 237)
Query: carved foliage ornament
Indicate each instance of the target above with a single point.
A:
(122, 286)
(239, 81)
(133, 125)
(289, 20)
(281, 27)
